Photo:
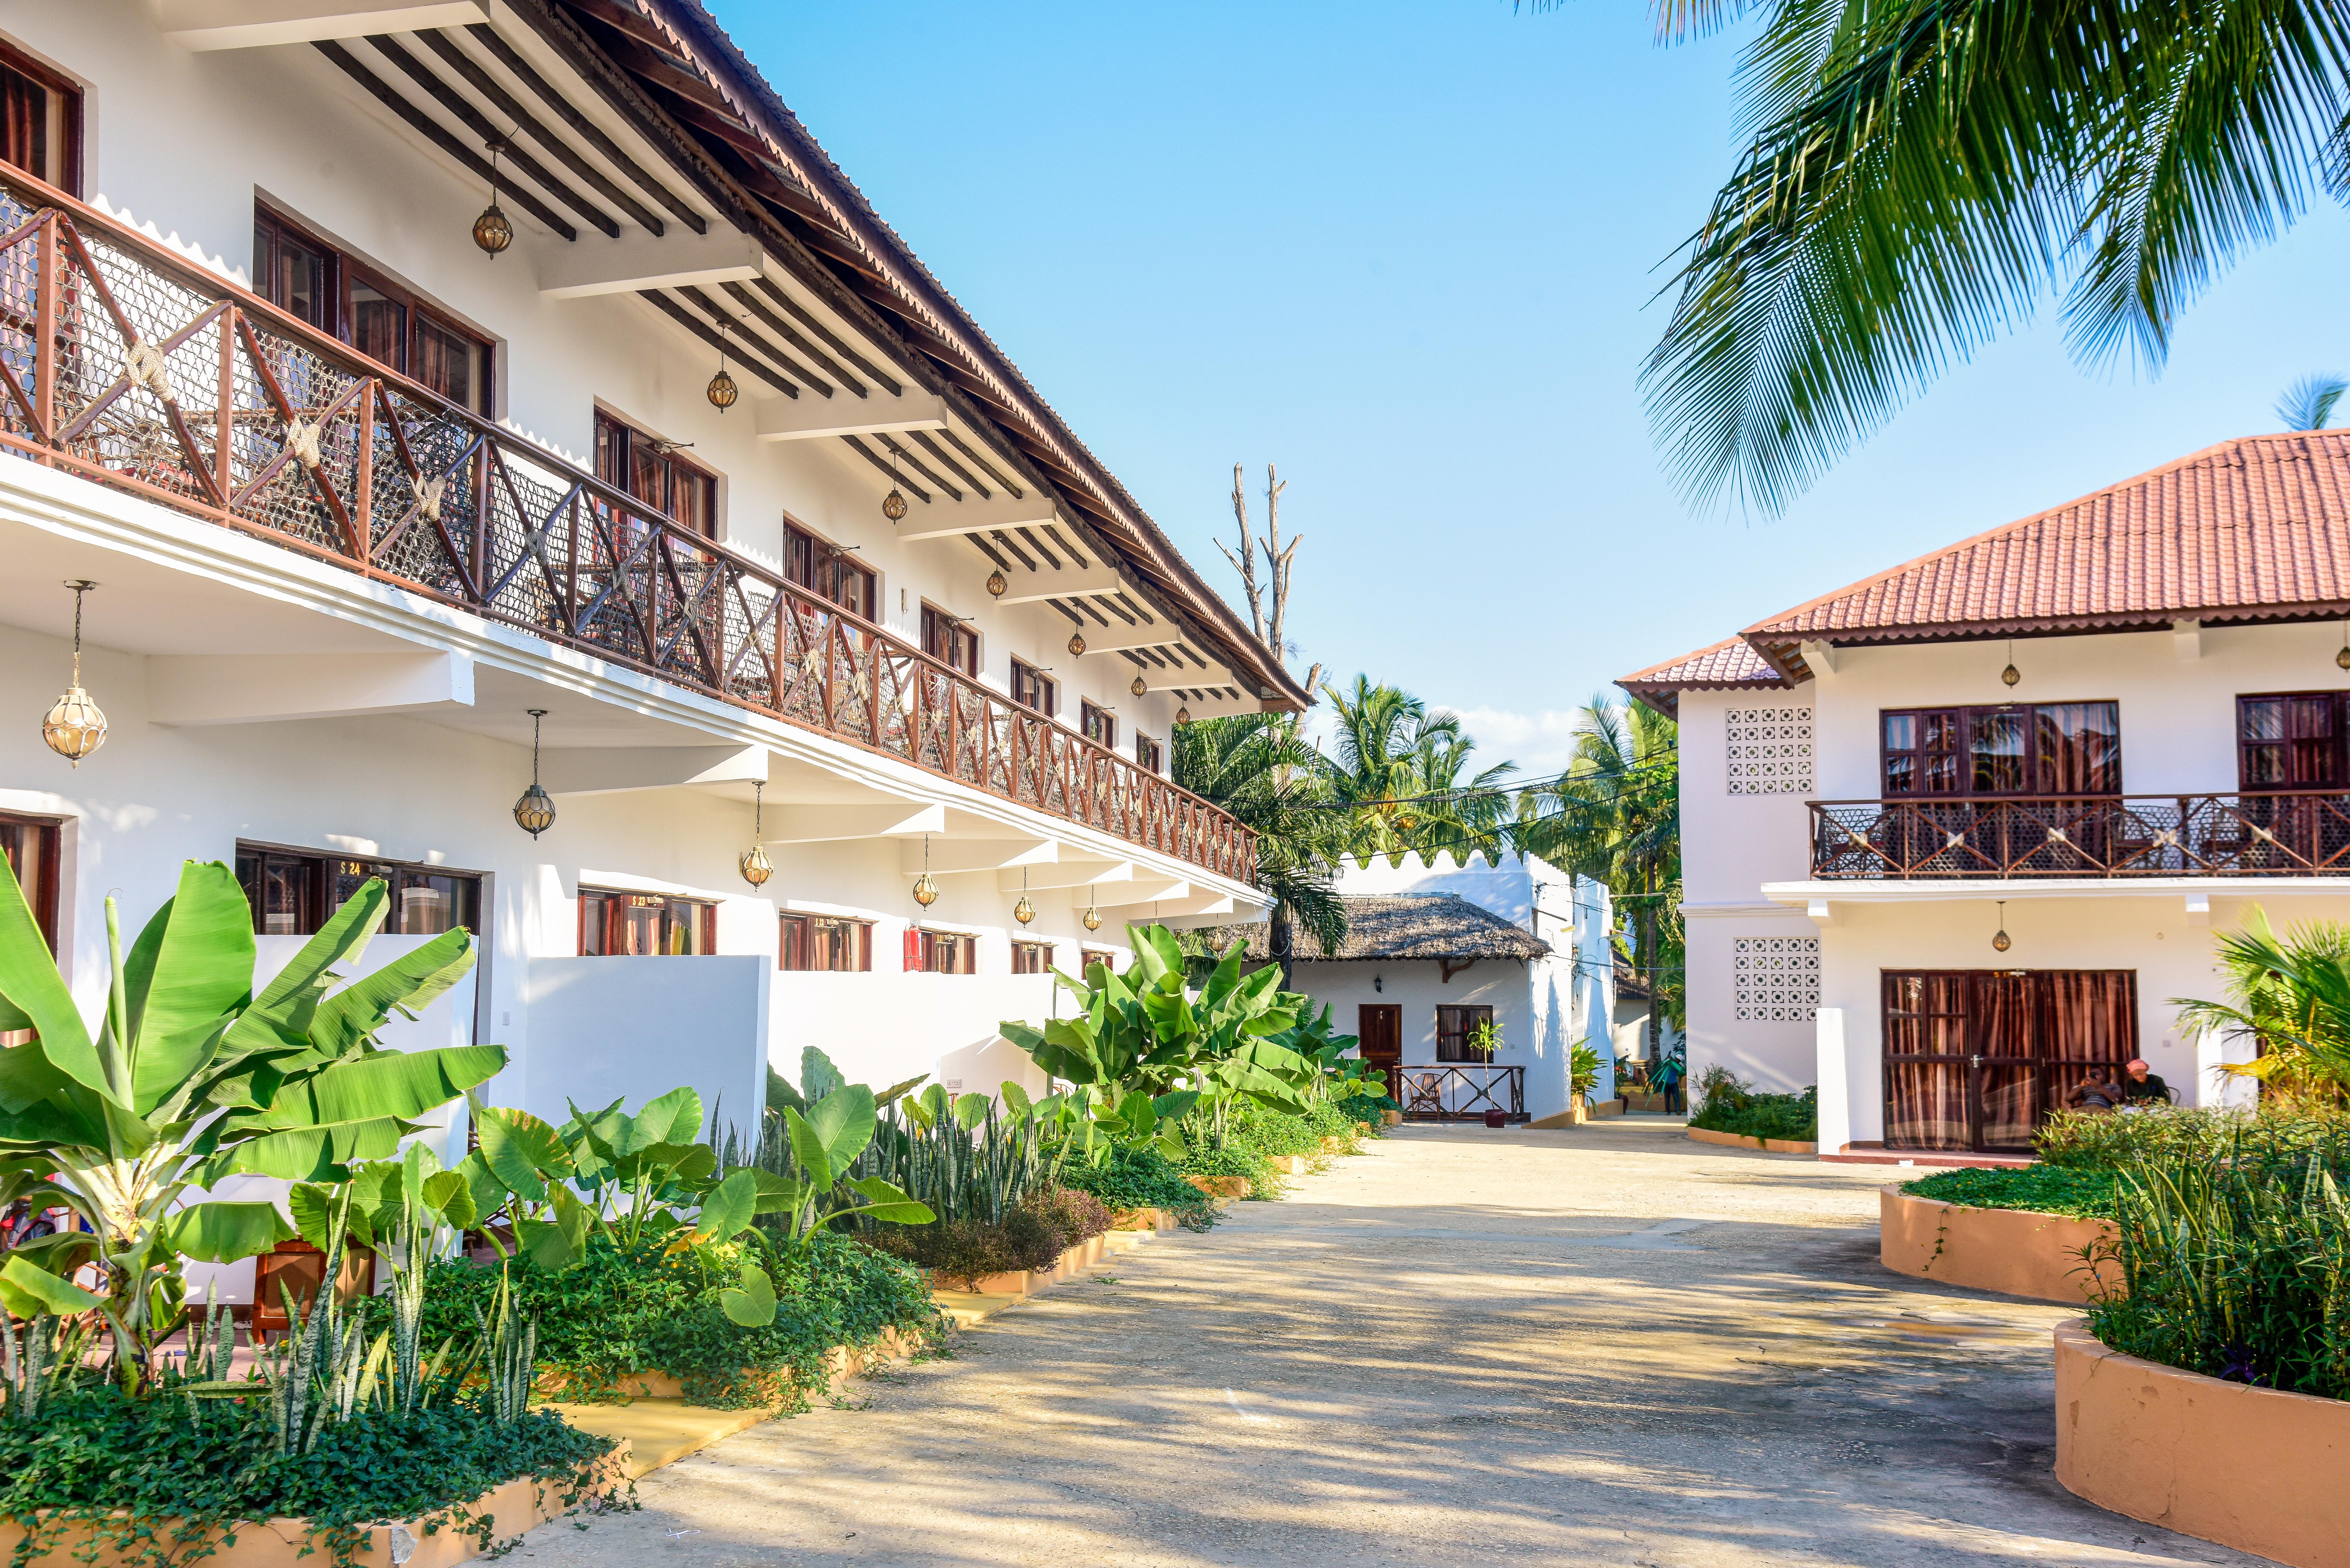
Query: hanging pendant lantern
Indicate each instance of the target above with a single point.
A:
(893, 505)
(2343, 658)
(1182, 715)
(535, 812)
(756, 867)
(2010, 675)
(996, 585)
(722, 390)
(1137, 685)
(1093, 916)
(1024, 912)
(493, 231)
(74, 727)
(1999, 942)
(1077, 645)
(925, 890)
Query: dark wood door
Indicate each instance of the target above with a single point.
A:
(1976, 1059)
(1379, 1026)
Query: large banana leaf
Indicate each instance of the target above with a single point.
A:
(33, 995)
(382, 1085)
(279, 1018)
(222, 1232)
(410, 984)
(186, 979)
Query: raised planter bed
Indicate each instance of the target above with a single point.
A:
(1158, 1221)
(1222, 1186)
(514, 1508)
(2016, 1251)
(1748, 1140)
(2255, 1468)
(842, 1363)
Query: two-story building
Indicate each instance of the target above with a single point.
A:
(1958, 831)
(508, 456)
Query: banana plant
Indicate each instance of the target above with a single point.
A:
(189, 1077)
(825, 1143)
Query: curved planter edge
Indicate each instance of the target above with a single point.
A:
(1749, 1140)
(2256, 1468)
(2015, 1252)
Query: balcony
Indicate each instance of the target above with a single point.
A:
(2286, 834)
(130, 367)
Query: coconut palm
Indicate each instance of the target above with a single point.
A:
(1917, 173)
(1258, 767)
(2291, 997)
(2308, 403)
(1397, 774)
(1614, 816)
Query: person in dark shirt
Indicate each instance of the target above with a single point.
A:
(2143, 1085)
(2101, 1090)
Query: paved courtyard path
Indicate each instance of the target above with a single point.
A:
(1600, 1345)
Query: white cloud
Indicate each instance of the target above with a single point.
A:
(1540, 743)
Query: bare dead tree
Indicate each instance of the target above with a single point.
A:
(1246, 562)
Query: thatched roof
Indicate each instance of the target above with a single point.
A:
(1403, 926)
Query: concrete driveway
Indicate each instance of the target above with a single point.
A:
(1606, 1345)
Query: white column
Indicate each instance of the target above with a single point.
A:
(1835, 1086)
(2214, 1087)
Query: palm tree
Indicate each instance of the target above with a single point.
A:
(1258, 767)
(2292, 998)
(2308, 403)
(1614, 816)
(1919, 173)
(1398, 776)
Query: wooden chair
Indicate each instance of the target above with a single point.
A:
(1427, 1095)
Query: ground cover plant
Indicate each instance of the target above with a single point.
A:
(1045, 1223)
(2076, 1193)
(1728, 1105)
(1143, 1178)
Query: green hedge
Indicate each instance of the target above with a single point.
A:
(643, 1309)
(1142, 1179)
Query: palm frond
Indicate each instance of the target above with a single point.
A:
(2308, 403)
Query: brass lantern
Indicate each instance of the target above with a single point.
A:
(1077, 645)
(926, 889)
(493, 231)
(1024, 912)
(756, 867)
(1137, 686)
(2343, 659)
(1182, 715)
(74, 727)
(2010, 675)
(1999, 942)
(722, 390)
(996, 585)
(893, 505)
(535, 812)
(1092, 919)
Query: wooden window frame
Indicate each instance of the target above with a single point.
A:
(320, 869)
(796, 931)
(1470, 1015)
(1964, 716)
(623, 450)
(704, 910)
(47, 848)
(1097, 724)
(2337, 751)
(67, 154)
(1043, 685)
(827, 565)
(949, 639)
(341, 271)
(1036, 957)
(923, 946)
(1149, 754)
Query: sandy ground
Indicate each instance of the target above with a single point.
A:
(1606, 1345)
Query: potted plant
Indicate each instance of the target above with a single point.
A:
(1582, 1077)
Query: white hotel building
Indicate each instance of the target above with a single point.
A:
(359, 496)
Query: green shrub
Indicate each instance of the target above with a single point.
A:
(1033, 1235)
(1366, 1108)
(2107, 1140)
(1142, 1179)
(2236, 1265)
(643, 1309)
(1726, 1104)
(2044, 1188)
(121, 1464)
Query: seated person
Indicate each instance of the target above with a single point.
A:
(2096, 1092)
(2143, 1085)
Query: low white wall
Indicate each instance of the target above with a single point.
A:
(884, 1028)
(630, 1028)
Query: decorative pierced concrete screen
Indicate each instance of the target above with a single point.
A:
(1770, 750)
(1776, 979)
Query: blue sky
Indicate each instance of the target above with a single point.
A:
(1408, 252)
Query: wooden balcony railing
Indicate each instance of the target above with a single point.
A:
(1459, 1091)
(2286, 833)
(130, 366)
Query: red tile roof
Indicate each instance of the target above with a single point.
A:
(1726, 665)
(2249, 530)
